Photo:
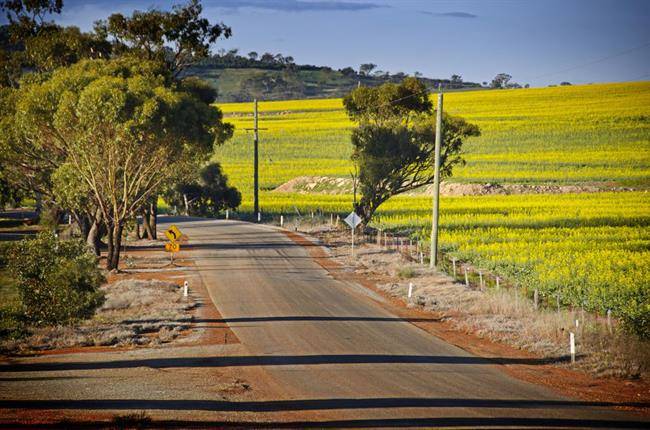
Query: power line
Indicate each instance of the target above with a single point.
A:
(589, 63)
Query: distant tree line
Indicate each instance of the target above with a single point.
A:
(366, 72)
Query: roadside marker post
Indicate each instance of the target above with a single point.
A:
(609, 320)
(572, 346)
(536, 298)
(410, 289)
(466, 278)
(281, 220)
(453, 262)
(185, 287)
(480, 279)
(259, 216)
(497, 286)
(227, 214)
(353, 220)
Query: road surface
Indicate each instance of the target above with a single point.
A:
(333, 348)
(327, 352)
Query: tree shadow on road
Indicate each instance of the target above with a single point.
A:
(275, 360)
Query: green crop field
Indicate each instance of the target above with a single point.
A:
(590, 248)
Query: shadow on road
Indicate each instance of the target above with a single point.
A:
(272, 360)
(290, 319)
(484, 423)
(305, 405)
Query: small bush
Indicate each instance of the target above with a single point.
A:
(406, 272)
(58, 280)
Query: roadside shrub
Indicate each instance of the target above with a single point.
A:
(58, 280)
(406, 272)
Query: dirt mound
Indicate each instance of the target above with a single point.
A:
(333, 185)
(316, 185)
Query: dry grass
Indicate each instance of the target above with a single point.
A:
(136, 312)
(501, 315)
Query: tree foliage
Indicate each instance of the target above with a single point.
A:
(179, 38)
(388, 103)
(207, 195)
(500, 81)
(58, 280)
(394, 143)
(121, 125)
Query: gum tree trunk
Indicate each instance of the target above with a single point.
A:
(114, 246)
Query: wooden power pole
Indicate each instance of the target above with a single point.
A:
(436, 184)
(256, 179)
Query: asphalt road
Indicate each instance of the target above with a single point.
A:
(333, 349)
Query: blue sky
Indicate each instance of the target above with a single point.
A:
(537, 42)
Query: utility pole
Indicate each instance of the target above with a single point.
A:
(436, 183)
(256, 180)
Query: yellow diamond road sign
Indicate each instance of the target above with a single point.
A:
(173, 233)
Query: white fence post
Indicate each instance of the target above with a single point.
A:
(609, 320)
(466, 277)
(410, 289)
(185, 288)
(281, 220)
(572, 346)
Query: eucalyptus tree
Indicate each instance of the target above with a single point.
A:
(124, 126)
(393, 144)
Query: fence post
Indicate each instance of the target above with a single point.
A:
(466, 277)
(410, 289)
(497, 286)
(453, 262)
(572, 346)
(609, 320)
(281, 220)
(480, 279)
(536, 298)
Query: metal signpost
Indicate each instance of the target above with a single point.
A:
(353, 220)
(174, 235)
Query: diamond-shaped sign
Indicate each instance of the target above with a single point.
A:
(353, 220)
